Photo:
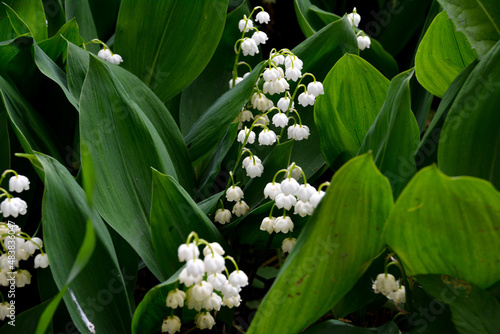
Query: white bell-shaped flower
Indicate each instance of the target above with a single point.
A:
(238, 279)
(267, 137)
(268, 224)
(272, 190)
(250, 160)
(280, 85)
(234, 82)
(229, 290)
(33, 245)
(385, 284)
(298, 132)
(175, 298)
(278, 60)
(283, 224)
(115, 59)
(243, 134)
(195, 267)
(213, 302)
(305, 192)
(292, 61)
(222, 216)
(4, 310)
(285, 201)
(289, 186)
(306, 99)
(245, 116)
(215, 247)
(188, 252)
(316, 198)
(303, 209)
(234, 194)
(104, 54)
(245, 24)
(263, 17)
(218, 281)
(293, 73)
(201, 291)
(241, 208)
(231, 302)
(171, 325)
(22, 278)
(41, 261)
(13, 207)
(315, 88)
(254, 170)
(271, 74)
(18, 183)
(398, 296)
(204, 320)
(296, 171)
(354, 17)
(214, 263)
(280, 120)
(268, 87)
(191, 302)
(249, 47)
(261, 102)
(364, 42)
(284, 104)
(287, 244)
(260, 37)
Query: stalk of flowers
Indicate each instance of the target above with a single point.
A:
(105, 53)
(364, 41)
(387, 284)
(288, 193)
(208, 285)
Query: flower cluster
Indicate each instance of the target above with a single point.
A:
(288, 194)
(364, 41)
(206, 287)
(108, 56)
(387, 285)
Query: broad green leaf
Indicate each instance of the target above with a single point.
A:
(25, 322)
(354, 94)
(31, 130)
(78, 64)
(327, 261)
(6, 31)
(210, 128)
(123, 145)
(173, 216)
(427, 150)
(80, 10)
(340, 327)
(56, 46)
(192, 29)
(477, 19)
(470, 140)
(4, 140)
(442, 225)
(473, 309)
(308, 20)
(84, 272)
(394, 135)
(32, 15)
(149, 315)
(442, 54)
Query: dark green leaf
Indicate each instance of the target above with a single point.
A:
(4, 140)
(32, 15)
(339, 327)
(26, 322)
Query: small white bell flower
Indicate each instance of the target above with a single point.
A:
(171, 325)
(238, 279)
(280, 85)
(249, 161)
(217, 280)
(229, 290)
(234, 194)
(245, 24)
(32, 245)
(259, 37)
(254, 169)
(188, 252)
(289, 186)
(268, 224)
(214, 263)
(287, 244)
(13, 207)
(213, 302)
(261, 102)
(354, 17)
(175, 298)
(385, 284)
(245, 116)
(215, 247)
(306, 99)
(298, 132)
(201, 291)
(243, 133)
(296, 172)
(115, 59)
(284, 103)
(280, 120)
(191, 302)
(303, 209)
(364, 42)
(398, 296)
(267, 137)
(3, 278)
(262, 119)
(231, 302)
(104, 54)
(195, 267)
(23, 278)
(204, 320)
(292, 61)
(4, 310)
(271, 74)
(285, 201)
(41, 261)
(249, 47)
(268, 87)
(315, 88)
(272, 190)
(305, 192)
(293, 74)
(18, 183)
(222, 216)
(263, 17)
(241, 208)
(233, 82)
(316, 198)
(278, 60)
(283, 224)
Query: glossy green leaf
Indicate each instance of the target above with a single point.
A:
(340, 327)
(354, 94)
(31, 130)
(148, 316)
(327, 261)
(56, 46)
(64, 224)
(308, 20)
(210, 128)
(78, 64)
(192, 29)
(32, 15)
(394, 135)
(477, 19)
(427, 150)
(173, 216)
(4, 140)
(117, 131)
(470, 141)
(473, 309)
(438, 222)
(442, 54)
